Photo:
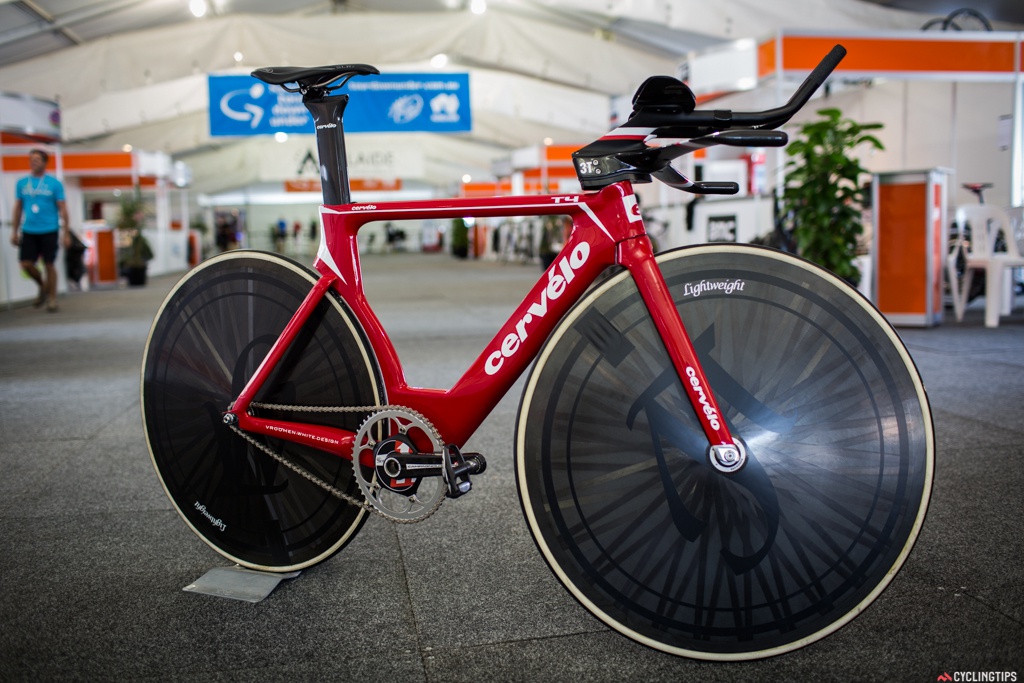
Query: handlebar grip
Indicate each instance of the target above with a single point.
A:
(715, 187)
(751, 138)
(823, 70)
(817, 76)
(827, 65)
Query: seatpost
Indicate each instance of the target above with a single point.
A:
(327, 112)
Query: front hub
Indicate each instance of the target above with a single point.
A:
(728, 458)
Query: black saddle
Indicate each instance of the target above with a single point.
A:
(307, 77)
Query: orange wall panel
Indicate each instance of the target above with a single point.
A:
(902, 281)
(106, 258)
(900, 55)
(766, 59)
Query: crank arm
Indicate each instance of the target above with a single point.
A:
(411, 465)
(454, 466)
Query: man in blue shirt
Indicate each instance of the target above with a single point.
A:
(40, 199)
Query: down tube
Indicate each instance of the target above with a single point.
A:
(460, 410)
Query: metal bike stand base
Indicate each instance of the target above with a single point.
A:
(238, 583)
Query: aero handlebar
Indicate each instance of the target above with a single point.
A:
(664, 125)
(773, 118)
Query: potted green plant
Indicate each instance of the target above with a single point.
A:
(460, 238)
(552, 237)
(136, 255)
(137, 258)
(823, 197)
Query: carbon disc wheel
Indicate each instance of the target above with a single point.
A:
(210, 335)
(618, 492)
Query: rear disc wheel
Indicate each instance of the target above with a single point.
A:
(210, 335)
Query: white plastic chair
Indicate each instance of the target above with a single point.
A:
(979, 254)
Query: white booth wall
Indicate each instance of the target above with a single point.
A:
(962, 126)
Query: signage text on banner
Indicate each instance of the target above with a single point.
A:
(386, 103)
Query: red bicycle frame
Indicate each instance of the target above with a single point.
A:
(607, 229)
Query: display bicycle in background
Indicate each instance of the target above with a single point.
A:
(722, 451)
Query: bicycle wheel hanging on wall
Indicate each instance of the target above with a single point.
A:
(209, 337)
(615, 483)
(964, 19)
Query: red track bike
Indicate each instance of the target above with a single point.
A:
(722, 451)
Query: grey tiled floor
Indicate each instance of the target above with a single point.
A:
(94, 559)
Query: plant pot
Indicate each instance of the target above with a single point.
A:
(136, 276)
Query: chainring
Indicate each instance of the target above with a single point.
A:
(391, 429)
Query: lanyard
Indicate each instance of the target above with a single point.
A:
(34, 191)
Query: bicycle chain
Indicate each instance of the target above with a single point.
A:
(334, 491)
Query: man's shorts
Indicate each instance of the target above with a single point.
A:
(34, 245)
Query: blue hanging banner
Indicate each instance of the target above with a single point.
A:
(387, 103)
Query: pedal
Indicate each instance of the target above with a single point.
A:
(457, 468)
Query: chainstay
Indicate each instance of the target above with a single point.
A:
(328, 409)
(338, 493)
(333, 490)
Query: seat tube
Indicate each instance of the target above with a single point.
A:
(636, 255)
(327, 115)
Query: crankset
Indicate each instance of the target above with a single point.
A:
(398, 479)
(398, 464)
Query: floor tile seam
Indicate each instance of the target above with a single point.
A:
(130, 406)
(93, 435)
(25, 442)
(422, 649)
(596, 631)
(938, 413)
(78, 514)
(994, 608)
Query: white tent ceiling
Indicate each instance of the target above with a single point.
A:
(135, 70)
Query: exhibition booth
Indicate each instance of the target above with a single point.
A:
(94, 183)
(950, 104)
(25, 122)
(951, 107)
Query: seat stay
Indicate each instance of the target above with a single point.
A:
(330, 439)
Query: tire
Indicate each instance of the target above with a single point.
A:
(615, 484)
(209, 336)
